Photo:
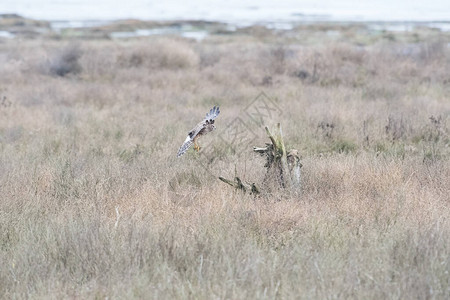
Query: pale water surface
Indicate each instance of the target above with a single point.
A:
(232, 11)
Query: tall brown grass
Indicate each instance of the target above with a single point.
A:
(94, 204)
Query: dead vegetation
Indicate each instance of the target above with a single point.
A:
(94, 203)
(64, 62)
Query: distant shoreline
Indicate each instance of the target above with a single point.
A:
(12, 25)
(308, 19)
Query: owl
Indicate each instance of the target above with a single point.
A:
(202, 128)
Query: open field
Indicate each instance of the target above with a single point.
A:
(95, 204)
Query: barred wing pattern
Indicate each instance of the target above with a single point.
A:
(212, 115)
(186, 145)
(199, 129)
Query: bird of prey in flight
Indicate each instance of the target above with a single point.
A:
(205, 126)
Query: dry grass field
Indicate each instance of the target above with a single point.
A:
(94, 203)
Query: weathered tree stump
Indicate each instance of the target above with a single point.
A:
(282, 167)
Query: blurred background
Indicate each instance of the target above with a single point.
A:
(234, 11)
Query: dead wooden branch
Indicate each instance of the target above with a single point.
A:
(239, 185)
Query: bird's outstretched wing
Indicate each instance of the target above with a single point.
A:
(209, 119)
(213, 113)
(186, 145)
